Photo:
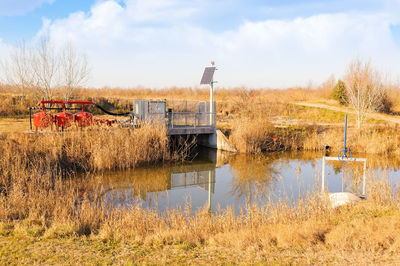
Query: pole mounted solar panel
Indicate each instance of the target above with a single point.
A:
(208, 75)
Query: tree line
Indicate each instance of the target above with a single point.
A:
(42, 68)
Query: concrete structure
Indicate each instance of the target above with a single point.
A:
(340, 198)
(216, 140)
(184, 118)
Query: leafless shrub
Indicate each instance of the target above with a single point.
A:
(18, 70)
(45, 65)
(365, 89)
(45, 68)
(74, 69)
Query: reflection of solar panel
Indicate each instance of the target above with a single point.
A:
(208, 75)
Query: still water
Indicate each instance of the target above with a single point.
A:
(238, 179)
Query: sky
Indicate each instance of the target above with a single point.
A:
(255, 44)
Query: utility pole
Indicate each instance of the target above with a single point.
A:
(208, 79)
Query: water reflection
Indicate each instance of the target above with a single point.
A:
(257, 178)
(153, 186)
(235, 180)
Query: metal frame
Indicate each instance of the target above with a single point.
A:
(191, 119)
(199, 116)
(364, 160)
(345, 153)
(208, 79)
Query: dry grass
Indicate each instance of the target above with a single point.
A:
(254, 134)
(45, 219)
(36, 170)
(227, 99)
(380, 140)
(90, 149)
(11, 125)
(308, 232)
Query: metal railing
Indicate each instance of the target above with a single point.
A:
(175, 114)
(190, 119)
(182, 119)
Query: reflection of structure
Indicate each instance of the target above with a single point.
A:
(340, 198)
(188, 179)
(145, 183)
(202, 179)
(253, 175)
(363, 160)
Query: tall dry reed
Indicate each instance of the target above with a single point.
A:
(37, 201)
(35, 168)
(92, 149)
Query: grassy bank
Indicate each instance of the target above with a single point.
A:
(44, 217)
(306, 233)
(37, 170)
(258, 134)
(91, 149)
(48, 215)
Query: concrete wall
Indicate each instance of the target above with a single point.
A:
(216, 140)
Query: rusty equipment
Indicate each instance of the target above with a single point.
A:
(64, 119)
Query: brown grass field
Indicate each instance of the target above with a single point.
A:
(41, 220)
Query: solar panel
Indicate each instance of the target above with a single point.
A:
(208, 75)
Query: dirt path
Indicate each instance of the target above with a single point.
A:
(9, 125)
(377, 116)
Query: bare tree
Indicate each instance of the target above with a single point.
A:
(74, 69)
(45, 65)
(18, 69)
(45, 68)
(364, 88)
(326, 88)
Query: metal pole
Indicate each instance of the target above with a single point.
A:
(186, 113)
(345, 134)
(30, 118)
(343, 181)
(323, 175)
(211, 102)
(209, 190)
(364, 177)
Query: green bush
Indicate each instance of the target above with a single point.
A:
(339, 92)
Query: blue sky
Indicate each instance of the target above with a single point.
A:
(23, 19)
(161, 43)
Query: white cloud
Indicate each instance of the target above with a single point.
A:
(158, 10)
(3, 47)
(153, 43)
(20, 7)
(288, 52)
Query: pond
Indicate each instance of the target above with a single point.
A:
(239, 179)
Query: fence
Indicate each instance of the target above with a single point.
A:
(175, 113)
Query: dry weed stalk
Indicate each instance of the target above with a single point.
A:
(35, 200)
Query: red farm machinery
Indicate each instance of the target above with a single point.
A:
(65, 119)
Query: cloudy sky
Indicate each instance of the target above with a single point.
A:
(162, 43)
